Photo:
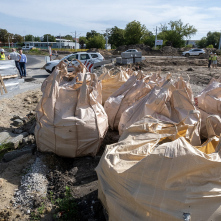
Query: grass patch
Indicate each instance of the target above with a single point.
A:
(66, 207)
(37, 52)
(4, 148)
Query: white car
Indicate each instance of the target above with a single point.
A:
(131, 50)
(82, 56)
(193, 52)
(27, 47)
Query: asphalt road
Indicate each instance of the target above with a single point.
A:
(35, 76)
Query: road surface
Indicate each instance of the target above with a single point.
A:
(35, 76)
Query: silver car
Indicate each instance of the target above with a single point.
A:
(193, 52)
(82, 56)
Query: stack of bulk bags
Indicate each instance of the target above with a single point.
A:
(209, 103)
(71, 121)
(111, 82)
(171, 102)
(129, 93)
(8, 68)
(154, 173)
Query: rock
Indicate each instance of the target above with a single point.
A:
(32, 129)
(4, 136)
(1, 182)
(28, 211)
(15, 117)
(18, 131)
(190, 69)
(27, 99)
(17, 122)
(17, 153)
(16, 140)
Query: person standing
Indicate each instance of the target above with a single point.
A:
(16, 57)
(22, 63)
(210, 59)
(2, 55)
(214, 59)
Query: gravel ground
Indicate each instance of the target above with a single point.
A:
(33, 184)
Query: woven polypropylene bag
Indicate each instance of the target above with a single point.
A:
(154, 173)
(71, 121)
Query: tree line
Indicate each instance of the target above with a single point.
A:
(6, 37)
(173, 34)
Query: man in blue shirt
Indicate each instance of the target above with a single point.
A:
(22, 62)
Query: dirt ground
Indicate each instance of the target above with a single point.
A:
(78, 173)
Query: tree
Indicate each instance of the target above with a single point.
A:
(29, 38)
(68, 37)
(213, 39)
(134, 32)
(149, 39)
(51, 38)
(18, 38)
(202, 42)
(91, 34)
(97, 41)
(37, 39)
(82, 41)
(116, 37)
(4, 34)
(176, 32)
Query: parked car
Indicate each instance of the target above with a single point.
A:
(131, 50)
(193, 52)
(27, 47)
(82, 56)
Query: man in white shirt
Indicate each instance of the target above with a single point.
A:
(16, 57)
(22, 63)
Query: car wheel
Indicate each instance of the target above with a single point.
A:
(187, 55)
(49, 71)
(52, 69)
(200, 54)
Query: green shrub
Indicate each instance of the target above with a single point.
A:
(189, 46)
(209, 46)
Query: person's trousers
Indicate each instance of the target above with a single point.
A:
(18, 67)
(23, 68)
(209, 63)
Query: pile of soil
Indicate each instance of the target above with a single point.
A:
(19, 105)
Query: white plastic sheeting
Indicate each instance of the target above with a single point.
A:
(8, 68)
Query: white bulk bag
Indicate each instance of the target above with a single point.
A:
(154, 173)
(111, 82)
(129, 93)
(70, 120)
(209, 103)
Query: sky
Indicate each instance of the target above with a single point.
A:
(39, 17)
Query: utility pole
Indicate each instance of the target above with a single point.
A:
(47, 40)
(75, 40)
(60, 40)
(106, 38)
(220, 41)
(75, 37)
(8, 43)
(156, 37)
(32, 41)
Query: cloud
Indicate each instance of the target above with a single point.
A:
(64, 16)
